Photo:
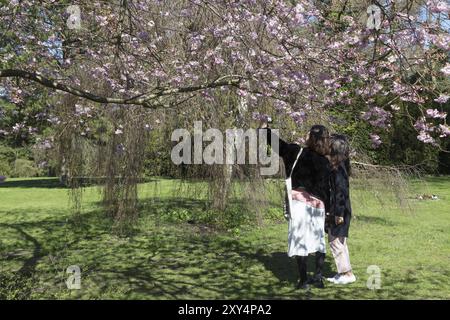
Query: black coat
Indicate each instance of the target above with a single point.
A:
(340, 201)
(312, 171)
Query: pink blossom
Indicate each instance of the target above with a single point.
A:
(32, 130)
(17, 127)
(421, 124)
(376, 140)
(54, 120)
(45, 144)
(425, 137)
(260, 117)
(242, 93)
(298, 116)
(82, 110)
(446, 70)
(438, 6)
(436, 114)
(275, 84)
(445, 131)
(377, 117)
(442, 98)
(218, 60)
(441, 40)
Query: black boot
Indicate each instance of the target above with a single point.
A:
(317, 280)
(303, 282)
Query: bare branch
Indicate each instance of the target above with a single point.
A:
(142, 99)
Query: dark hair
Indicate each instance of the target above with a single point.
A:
(318, 140)
(339, 152)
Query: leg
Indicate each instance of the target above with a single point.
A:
(302, 265)
(339, 249)
(342, 259)
(317, 280)
(346, 256)
(320, 261)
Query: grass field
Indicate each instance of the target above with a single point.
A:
(177, 260)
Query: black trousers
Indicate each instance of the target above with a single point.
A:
(302, 263)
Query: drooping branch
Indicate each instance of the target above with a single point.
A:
(145, 100)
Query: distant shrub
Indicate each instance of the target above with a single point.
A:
(25, 168)
(7, 157)
(7, 152)
(5, 168)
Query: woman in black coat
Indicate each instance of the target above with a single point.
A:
(340, 210)
(310, 185)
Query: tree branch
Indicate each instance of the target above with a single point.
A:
(144, 100)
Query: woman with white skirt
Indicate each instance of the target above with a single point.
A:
(307, 172)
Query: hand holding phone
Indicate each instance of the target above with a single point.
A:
(338, 220)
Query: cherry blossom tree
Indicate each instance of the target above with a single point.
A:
(304, 56)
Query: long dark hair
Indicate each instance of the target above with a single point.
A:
(339, 152)
(319, 140)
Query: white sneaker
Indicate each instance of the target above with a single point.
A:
(333, 280)
(345, 279)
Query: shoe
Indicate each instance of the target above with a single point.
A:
(345, 279)
(333, 279)
(316, 281)
(302, 285)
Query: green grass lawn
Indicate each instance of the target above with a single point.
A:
(176, 260)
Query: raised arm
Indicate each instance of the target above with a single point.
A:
(287, 151)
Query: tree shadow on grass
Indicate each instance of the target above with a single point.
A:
(182, 271)
(285, 268)
(55, 183)
(196, 211)
(48, 183)
(48, 235)
(30, 263)
(149, 206)
(373, 220)
(171, 261)
(175, 261)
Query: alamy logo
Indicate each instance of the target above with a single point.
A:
(373, 17)
(374, 280)
(74, 280)
(236, 140)
(74, 20)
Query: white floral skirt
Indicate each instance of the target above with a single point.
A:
(306, 232)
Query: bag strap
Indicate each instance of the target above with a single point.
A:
(295, 162)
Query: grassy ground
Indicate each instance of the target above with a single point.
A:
(161, 260)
